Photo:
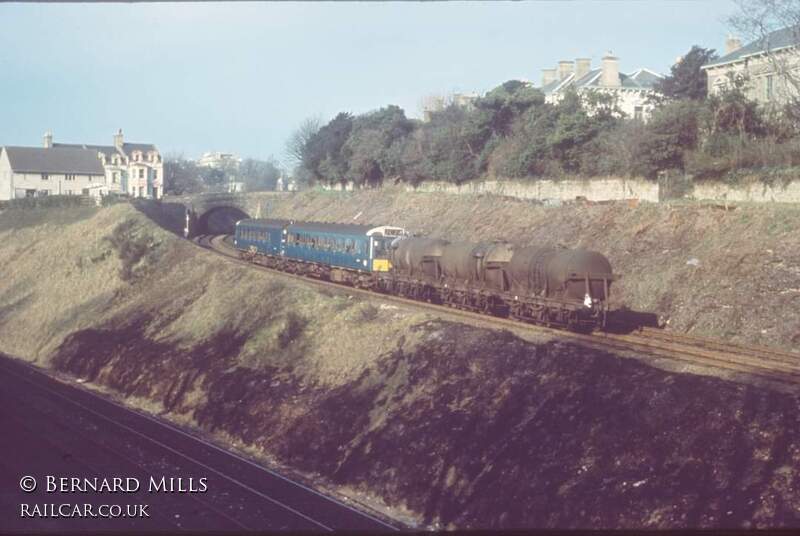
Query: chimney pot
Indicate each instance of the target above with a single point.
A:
(582, 67)
(548, 75)
(48, 140)
(732, 44)
(565, 68)
(118, 139)
(610, 73)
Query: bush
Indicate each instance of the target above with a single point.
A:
(295, 325)
(130, 247)
(672, 130)
(49, 201)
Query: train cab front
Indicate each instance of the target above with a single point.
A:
(381, 239)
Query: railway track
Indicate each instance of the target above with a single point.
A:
(772, 365)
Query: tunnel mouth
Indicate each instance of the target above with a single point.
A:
(220, 220)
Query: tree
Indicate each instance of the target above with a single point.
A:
(181, 176)
(259, 175)
(686, 80)
(672, 130)
(215, 179)
(297, 144)
(323, 156)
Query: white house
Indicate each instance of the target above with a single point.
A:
(633, 91)
(769, 67)
(219, 160)
(35, 172)
(136, 169)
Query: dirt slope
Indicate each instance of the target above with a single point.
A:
(437, 423)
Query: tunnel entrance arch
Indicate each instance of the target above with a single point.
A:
(217, 213)
(219, 220)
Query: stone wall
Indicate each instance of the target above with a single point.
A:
(601, 189)
(754, 192)
(668, 188)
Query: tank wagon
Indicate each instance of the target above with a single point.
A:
(552, 286)
(545, 285)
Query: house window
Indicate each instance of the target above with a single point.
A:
(768, 88)
(155, 174)
(69, 177)
(30, 193)
(141, 173)
(43, 193)
(114, 177)
(638, 112)
(45, 176)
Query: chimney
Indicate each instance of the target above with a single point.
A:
(610, 74)
(548, 75)
(582, 67)
(565, 69)
(732, 44)
(118, 139)
(48, 140)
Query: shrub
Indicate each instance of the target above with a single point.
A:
(292, 330)
(130, 247)
(49, 201)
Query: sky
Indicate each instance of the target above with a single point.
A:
(241, 77)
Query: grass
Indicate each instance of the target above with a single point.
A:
(16, 219)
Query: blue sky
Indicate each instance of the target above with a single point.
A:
(240, 77)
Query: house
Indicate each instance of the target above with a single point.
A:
(135, 169)
(437, 103)
(219, 160)
(36, 172)
(765, 66)
(633, 91)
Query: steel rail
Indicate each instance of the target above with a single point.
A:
(190, 459)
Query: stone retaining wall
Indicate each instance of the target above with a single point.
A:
(616, 188)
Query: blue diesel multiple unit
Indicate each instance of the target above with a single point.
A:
(356, 247)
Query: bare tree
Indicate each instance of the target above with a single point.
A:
(296, 144)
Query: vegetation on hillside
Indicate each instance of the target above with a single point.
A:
(511, 132)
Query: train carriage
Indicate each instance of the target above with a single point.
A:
(265, 236)
(329, 250)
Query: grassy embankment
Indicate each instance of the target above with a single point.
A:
(435, 422)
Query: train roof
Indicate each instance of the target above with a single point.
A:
(343, 228)
(265, 222)
(320, 227)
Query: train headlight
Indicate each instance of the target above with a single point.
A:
(587, 300)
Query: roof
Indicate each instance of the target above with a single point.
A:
(128, 148)
(54, 160)
(783, 38)
(109, 150)
(641, 79)
(265, 222)
(343, 228)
